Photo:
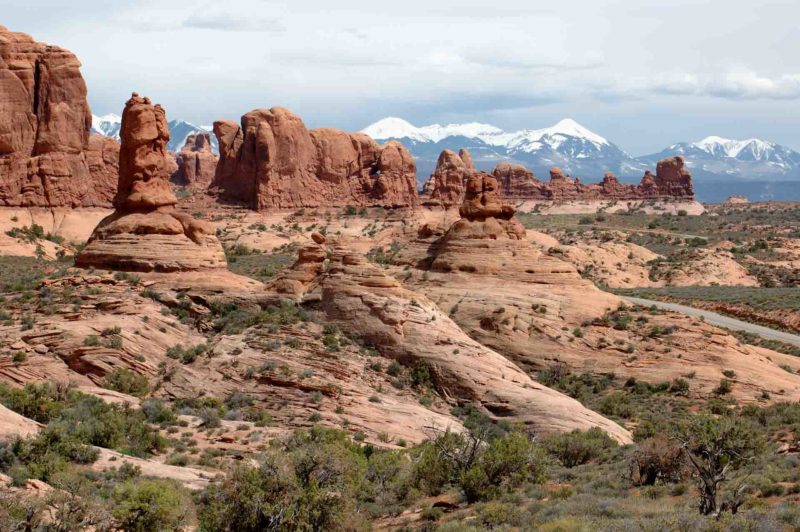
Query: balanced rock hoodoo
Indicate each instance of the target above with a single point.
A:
(146, 232)
(273, 161)
(47, 156)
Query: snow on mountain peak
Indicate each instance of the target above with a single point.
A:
(394, 128)
(528, 139)
(733, 148)
(570, 127)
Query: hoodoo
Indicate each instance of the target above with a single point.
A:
(273, 161)
(47, 156)
(146, 232)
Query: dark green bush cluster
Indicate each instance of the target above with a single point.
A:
(126, 381)
(578, 447)
(231, 319)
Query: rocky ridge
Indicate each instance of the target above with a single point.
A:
(671, 182)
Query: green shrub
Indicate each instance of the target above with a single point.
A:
(148, 505)
(126, 381)
(578, 447)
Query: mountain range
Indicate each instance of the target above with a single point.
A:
(746, 165)
(179, 130)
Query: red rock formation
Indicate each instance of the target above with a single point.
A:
(272, 160)
(446, 185)
(47, 157)
(484, 214)
(673, 178)
(196, 162)
(671, 182)
(516, 181)
(146, 233)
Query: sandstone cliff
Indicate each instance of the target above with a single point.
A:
(273, 161)
(47, 157)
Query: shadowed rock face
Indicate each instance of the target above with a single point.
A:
(145, 232)
(47, 157)
(273, 161)
(196, 162)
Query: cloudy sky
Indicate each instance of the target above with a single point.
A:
(644, 73)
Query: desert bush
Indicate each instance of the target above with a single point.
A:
(578, 447)
(126, 381)
(148, 505)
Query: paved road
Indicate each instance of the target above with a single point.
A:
(720, 320)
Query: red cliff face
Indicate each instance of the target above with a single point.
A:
(146, 232)
(196, 162)
(47, 157)
(273, 161)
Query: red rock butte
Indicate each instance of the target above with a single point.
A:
(447, 184)
(47, 156)
(145, 232)
(272, 161)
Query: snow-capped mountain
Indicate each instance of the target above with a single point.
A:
(567, 144)
(179, 130)
(751, 159)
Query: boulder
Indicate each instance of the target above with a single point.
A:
(273, 161)
(47, 156)
(145, 232)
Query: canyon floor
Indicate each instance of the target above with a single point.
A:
(336, 373)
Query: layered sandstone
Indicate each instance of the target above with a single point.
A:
(145, 232)
(196, 162)
(47, 156)
(409, 327)
(273, 161)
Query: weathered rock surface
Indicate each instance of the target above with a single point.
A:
(145, 232)
(196, 162)
(407, 326)
(273, 161)
(47, 156)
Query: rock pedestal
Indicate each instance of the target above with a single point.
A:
(146, 233)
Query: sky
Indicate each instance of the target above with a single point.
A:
(643, 73)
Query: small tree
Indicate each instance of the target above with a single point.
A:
(714, 448)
